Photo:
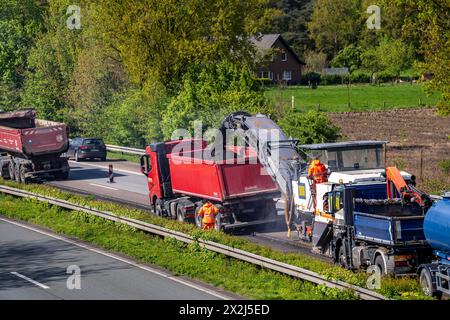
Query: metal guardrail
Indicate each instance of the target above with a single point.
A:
(249, 257)
(125, 150)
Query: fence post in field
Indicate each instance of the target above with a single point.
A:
(293, 103)
(421, 165)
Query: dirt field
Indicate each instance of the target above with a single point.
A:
(408, 131)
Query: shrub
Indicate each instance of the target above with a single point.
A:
(360, 76)
(330, 79)
(311, 127)
(385, 76)
(444, 165)
(310, 77)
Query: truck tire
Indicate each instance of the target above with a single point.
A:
(427, 284)
(180, 214)
(198, 219)
(158, 208)
(379, 262)
(17, 173)
(22, 172)
(218, 224)
(342, 259)
(12, 170)
(4, 172)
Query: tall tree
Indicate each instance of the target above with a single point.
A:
(51, 63)
(428, 22)
(158, 39)
(292, 23)
(20, 22)
(335, 24)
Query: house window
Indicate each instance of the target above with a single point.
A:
(266, 75)
(287, 75)
(284, 56)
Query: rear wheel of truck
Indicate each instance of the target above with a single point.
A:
(180, 214)
(4, 172)
(17, 173)
(12, 170)
(427, 284)
(158, 208)
(198, 219)
(379, 262)
(342, 259)
(22, 171)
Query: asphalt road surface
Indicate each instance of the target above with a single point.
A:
(34, 265)
(130, 186)
(91, 177)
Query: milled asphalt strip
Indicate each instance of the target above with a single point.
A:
(106, 168)
(43, 286)
(124, 260)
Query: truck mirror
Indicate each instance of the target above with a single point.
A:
(145, 165)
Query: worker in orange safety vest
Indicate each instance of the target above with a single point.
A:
(208, 212)
(317, 171)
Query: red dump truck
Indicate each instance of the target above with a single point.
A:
(181, 181)
(31, 148)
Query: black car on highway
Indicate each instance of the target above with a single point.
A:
(87, 148)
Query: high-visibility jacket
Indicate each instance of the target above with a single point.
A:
(208, 212)
(317, 171)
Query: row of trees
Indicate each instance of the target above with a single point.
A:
(136, 70)
(131, 71)
(413, 38)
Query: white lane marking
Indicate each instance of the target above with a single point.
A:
(105, 168)
(43, 286)
(124, 260)
(99, 185)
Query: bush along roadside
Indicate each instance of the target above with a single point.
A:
(390, 287)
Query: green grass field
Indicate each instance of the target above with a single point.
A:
(362, 97)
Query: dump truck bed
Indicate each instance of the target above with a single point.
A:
(219, 181)
(21, 133)
(388, 223)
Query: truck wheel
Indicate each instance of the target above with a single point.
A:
(12, 170)
(427, 284)
(180, 214)
(158, 208)
(23, 171)
(4, 173)
(342, 259)
(218, 224)
(198, 219)
(379, 262)
(17, 173)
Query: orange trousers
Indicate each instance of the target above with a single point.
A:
(208, 226)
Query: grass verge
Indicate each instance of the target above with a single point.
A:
(181, 259)
(390, 287)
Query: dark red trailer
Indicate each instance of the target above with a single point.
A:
(31, 148)
(179, 183)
